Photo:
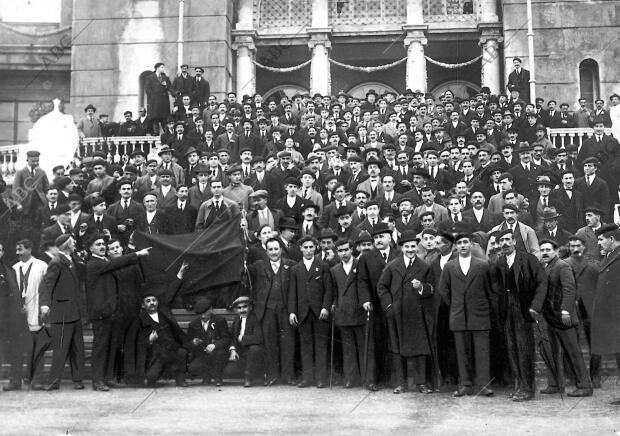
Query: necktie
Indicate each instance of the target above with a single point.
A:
(588, 180)
(217, 207)
(545, 202)
(126, 204)
(385, 258)
(32, 172)
(22, 280)
(305, 192)
(408, 263)
(455, 217)
(52, 206)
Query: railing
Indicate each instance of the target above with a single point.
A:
(117, 149)
(290, 15)
(367, 12)
(563, 137)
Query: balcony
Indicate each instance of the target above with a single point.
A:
(292, 17)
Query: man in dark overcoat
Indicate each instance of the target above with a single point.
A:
(403, 284)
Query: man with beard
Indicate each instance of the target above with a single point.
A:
(524, 282)
(586, 273)
(561, 316)
(403, 284)
(161, 343)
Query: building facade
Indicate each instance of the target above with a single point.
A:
(98, 52)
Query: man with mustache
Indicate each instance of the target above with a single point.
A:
(523, 280)
(561, 316)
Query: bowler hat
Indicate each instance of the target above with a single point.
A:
(380, 228)
(408, 236)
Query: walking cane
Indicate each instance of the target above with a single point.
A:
(331, 357)
(366, 338)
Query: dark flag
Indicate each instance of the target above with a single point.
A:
(215, 255)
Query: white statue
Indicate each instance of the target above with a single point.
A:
(55, 136)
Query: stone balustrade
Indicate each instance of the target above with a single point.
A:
(117, 149)
(563, 137)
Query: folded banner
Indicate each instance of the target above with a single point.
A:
(215, 255)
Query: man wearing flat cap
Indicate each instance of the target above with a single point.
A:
(60, 302)
(247, 341)
(200, 89)
(524, 236)
(562, 321)
(402, 285)
(209, 337)
(593, 188)
(605, 322)
(166, 153)
(236, 190)
(524, 284)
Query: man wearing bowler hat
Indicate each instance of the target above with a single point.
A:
(525, 173)
(551, 230)
(89, 126)
(200, 89)
(402, 285)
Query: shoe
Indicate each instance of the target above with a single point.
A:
(247, 383)
(520, 397)
(271, 381)
(486, 392)
(115, 384)
(206, 381)
(218, 381)
(399, 389)
(425, 389)
(348, 384)
(321, 384)
(78, 386)
(596, 382)
(289, 381)
(37, 387)
(12, 386)
(182, 384)
(372, 387)
(550, 390)
(461, 391)
(100, 387)
(304, 384)
(581, 392)
(53, 386)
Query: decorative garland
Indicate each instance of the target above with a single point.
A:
(454, 66)
(369, 69)
(34, 34)
(283, 70)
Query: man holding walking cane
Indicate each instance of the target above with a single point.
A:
(351, 310)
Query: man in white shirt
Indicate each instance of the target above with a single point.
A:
(466, 286)
(29, 273)
(247, 341)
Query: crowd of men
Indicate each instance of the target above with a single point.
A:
(416, 236)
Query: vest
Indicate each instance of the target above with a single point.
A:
(274, 298)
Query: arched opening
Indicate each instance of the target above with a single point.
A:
(284, 90)
(460, 88)
(141, 92)
(359, 91)
(589, 84)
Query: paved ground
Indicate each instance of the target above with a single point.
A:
(289, 410)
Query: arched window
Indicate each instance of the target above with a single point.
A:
(141, 93)
(589, 85)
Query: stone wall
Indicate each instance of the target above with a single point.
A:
(566, 33)
(117, 40)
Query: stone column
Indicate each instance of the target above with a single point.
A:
(416, 62)
(488, 12)
(320, 72)
(245, 15)
(415, 12)
(246, 70)
(491, 62)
